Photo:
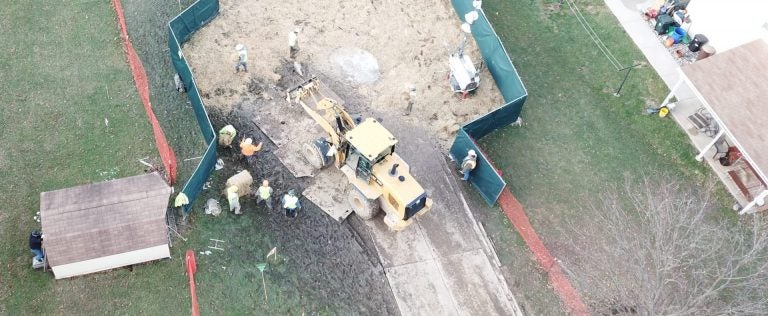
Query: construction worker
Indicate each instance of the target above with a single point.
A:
(242, 58)
(248, 149)
(234, 199)
(468, 164)
(264, 193)
(36, 246)
(226, 135)
(293, 43)
(409, 97)
(291, 203)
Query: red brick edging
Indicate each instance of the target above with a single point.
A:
(514, 211)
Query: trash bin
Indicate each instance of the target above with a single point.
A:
(706, 51)
(698, 41)
(663, 22)
(678, 34)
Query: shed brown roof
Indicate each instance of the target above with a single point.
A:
(735, 86)
(102, 219)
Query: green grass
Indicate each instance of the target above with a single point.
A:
(69, 73)
(579, 140)
(64, 73)
(147, 26)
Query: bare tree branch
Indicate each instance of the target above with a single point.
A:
(660, 248)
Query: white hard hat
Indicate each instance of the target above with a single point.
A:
(297, 30)
(248, 141)
(239, 47)
(471, 152)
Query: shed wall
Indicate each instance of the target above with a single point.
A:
(110, 262)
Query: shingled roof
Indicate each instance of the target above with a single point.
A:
(104, 219)
(734, 85)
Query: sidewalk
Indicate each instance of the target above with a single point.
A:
(629, 16)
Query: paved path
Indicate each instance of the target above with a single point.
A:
(443, 264)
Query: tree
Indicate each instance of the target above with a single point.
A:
(661, 248)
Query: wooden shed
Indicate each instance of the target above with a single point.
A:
(106, 225)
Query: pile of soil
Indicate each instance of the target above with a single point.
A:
(410, 41)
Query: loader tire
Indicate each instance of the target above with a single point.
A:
(364, 207)
(313, 156)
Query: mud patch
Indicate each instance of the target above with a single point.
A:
(332, 265)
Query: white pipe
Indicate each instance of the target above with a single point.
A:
(758, 200)
(700, 156)
(671, 93)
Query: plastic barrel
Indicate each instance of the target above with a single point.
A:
(706, 51)
(678, 34)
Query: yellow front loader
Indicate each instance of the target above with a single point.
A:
(365, 152)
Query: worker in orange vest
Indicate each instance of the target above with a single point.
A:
(248, 149)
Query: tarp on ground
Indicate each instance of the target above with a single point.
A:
(180, 29)
(485, 178)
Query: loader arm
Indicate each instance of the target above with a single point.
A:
(332, 111)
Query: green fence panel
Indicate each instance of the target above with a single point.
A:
(484, 178)
(193, 18)
(491, 121)
(462, 7)
(180, 29)
(198, 179)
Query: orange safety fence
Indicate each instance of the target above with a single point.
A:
(514, 211)
(142, 85)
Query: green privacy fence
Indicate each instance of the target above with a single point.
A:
(180, 29)
(485, 177)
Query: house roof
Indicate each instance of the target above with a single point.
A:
(734, 85)
(102, 219)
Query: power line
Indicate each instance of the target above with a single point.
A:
(593, 35)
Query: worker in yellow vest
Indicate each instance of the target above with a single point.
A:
(234, 199)
(291, 204)
(226, 135)
(264, 193)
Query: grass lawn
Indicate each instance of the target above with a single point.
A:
(71, 75)
(579, 139)
(64, 75)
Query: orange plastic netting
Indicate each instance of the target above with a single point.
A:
(142, 85)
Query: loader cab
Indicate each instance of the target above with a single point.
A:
(369, 144)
